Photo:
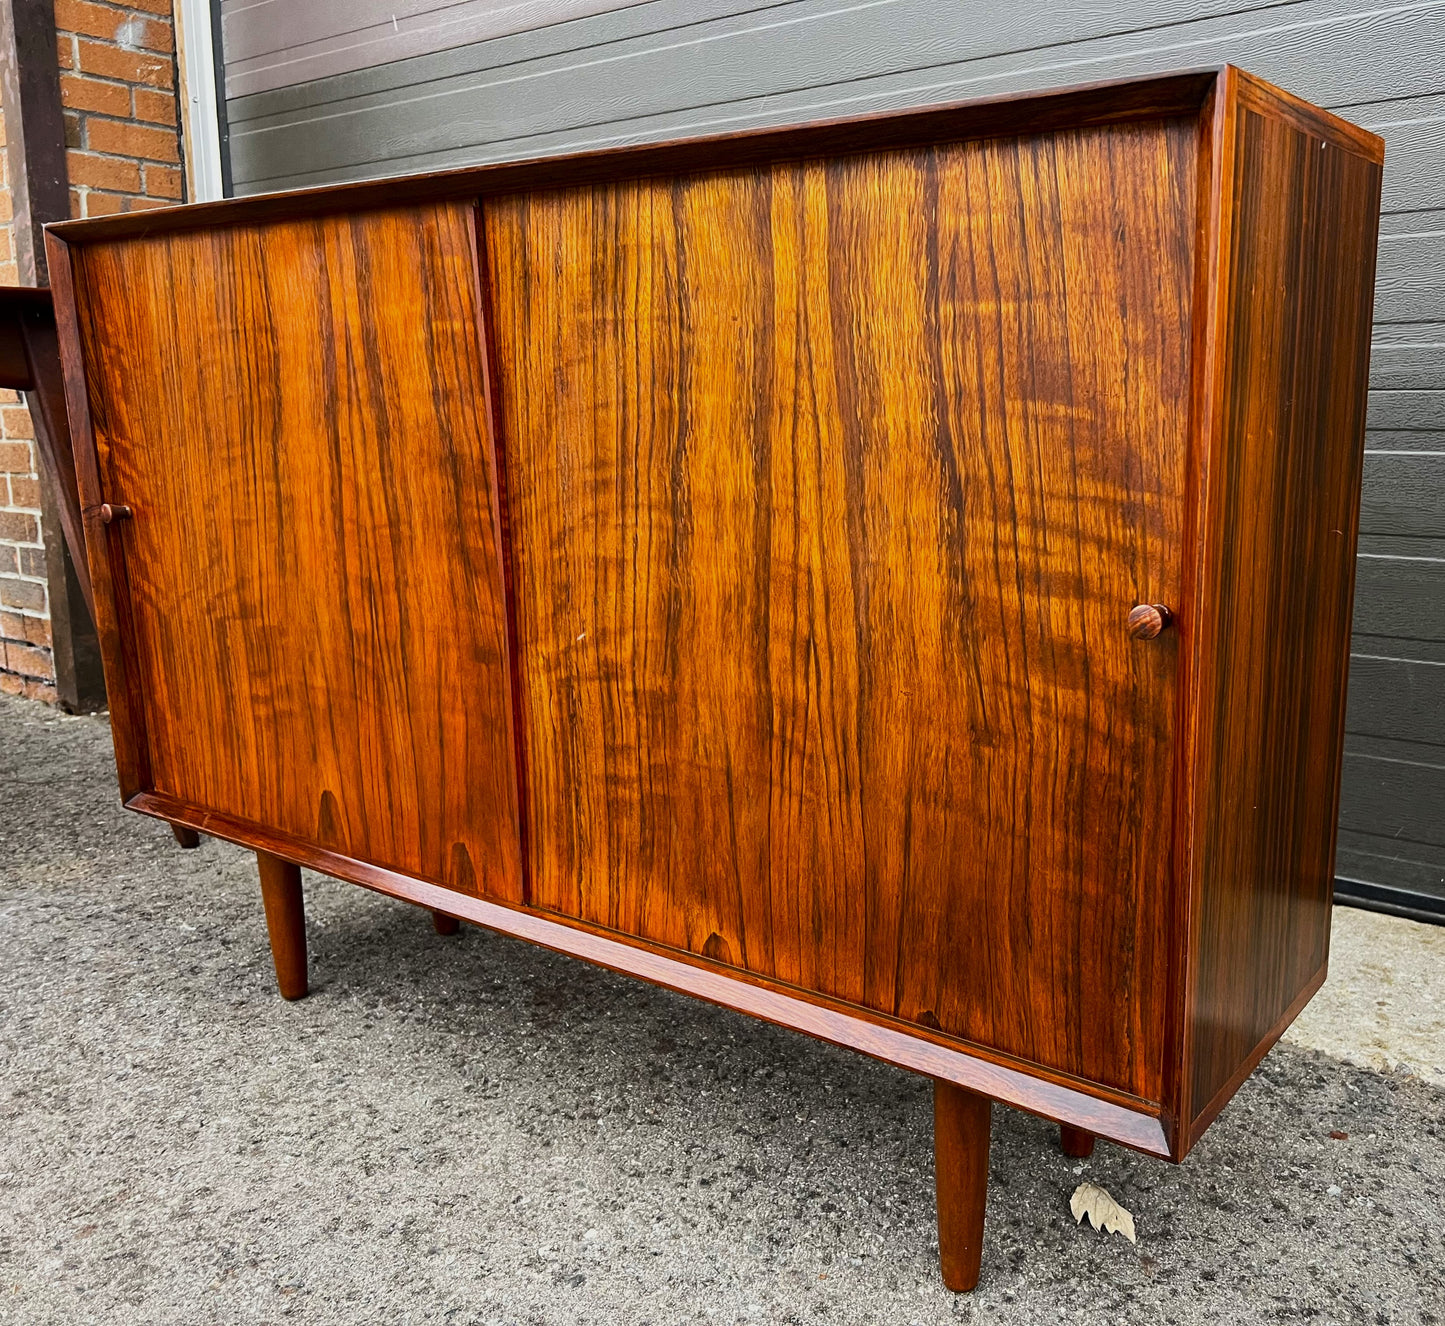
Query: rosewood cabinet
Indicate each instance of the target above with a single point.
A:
(891, 577)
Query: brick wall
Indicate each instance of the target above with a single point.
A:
(118, 89)
(25, 664)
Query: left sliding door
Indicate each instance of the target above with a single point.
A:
(309, 594)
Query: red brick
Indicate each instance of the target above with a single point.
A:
(77, 203)
(132, 140)
(90, 20)
(18, 528)
(103, 172)
(25, 492)
(157, 107)
(24, 594)
(15, 458)
(10, 684)
(152, 35)
(40, 690)
(144, 204)
(6, 251)
(25, 630)
(65, 49)
(8, 396)
(32, 563)
(90, 94)
(127, 66)
(16, 421)
(164, 182)
(147, 6)
(103, 204)
(37, 631)
(9, 566)
(7, 207)
(29, 661)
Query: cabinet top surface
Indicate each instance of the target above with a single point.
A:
(1184, 93)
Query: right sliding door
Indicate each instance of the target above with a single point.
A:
(831, 486)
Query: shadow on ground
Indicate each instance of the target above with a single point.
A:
(470, 1130)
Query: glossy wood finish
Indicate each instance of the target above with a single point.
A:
(1076, 1142)
(793, 699)
(961, 1123)
(1147, 620)
(316, 623)
(1279, 493)
(731, 547)
(285, 922)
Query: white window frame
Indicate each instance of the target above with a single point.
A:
(200, 112)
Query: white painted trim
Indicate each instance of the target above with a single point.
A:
(200, 120)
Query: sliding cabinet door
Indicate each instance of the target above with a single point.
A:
(312, 597)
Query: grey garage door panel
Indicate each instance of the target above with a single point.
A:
(1414, 134)
(967, 30)
(1418, 867)
(1410, 277)
(1398, 700)
(1404, 495)
(1393, 799)
(1409, 356)
(1401, 411)
(634, 91)
(1384, 646)
(1413, 440)
(284, 42)
(1392, 546)
(1400, 597)
(1413, 222)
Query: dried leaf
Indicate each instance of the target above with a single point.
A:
(1103, 1211)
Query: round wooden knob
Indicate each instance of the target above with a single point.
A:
(109, 514)
(1146, 620)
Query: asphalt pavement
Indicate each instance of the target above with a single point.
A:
(470, 1130)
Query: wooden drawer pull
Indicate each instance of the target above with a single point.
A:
(1146, 620)
(109, 514)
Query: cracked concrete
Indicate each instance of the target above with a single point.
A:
(469, 1130)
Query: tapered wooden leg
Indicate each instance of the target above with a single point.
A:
(960, 1147)
(186, 837)
(444, 924)
(286, 922)
(1076, 1142)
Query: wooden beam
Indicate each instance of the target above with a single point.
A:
(40, 192)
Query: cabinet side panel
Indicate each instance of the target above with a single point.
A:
(295, 411)
(1280, 522)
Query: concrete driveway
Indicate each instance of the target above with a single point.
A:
(468, 1130)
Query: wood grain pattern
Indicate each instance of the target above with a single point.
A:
(1280, 509)
(816, 479)
(313, 572)
(729, 575)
